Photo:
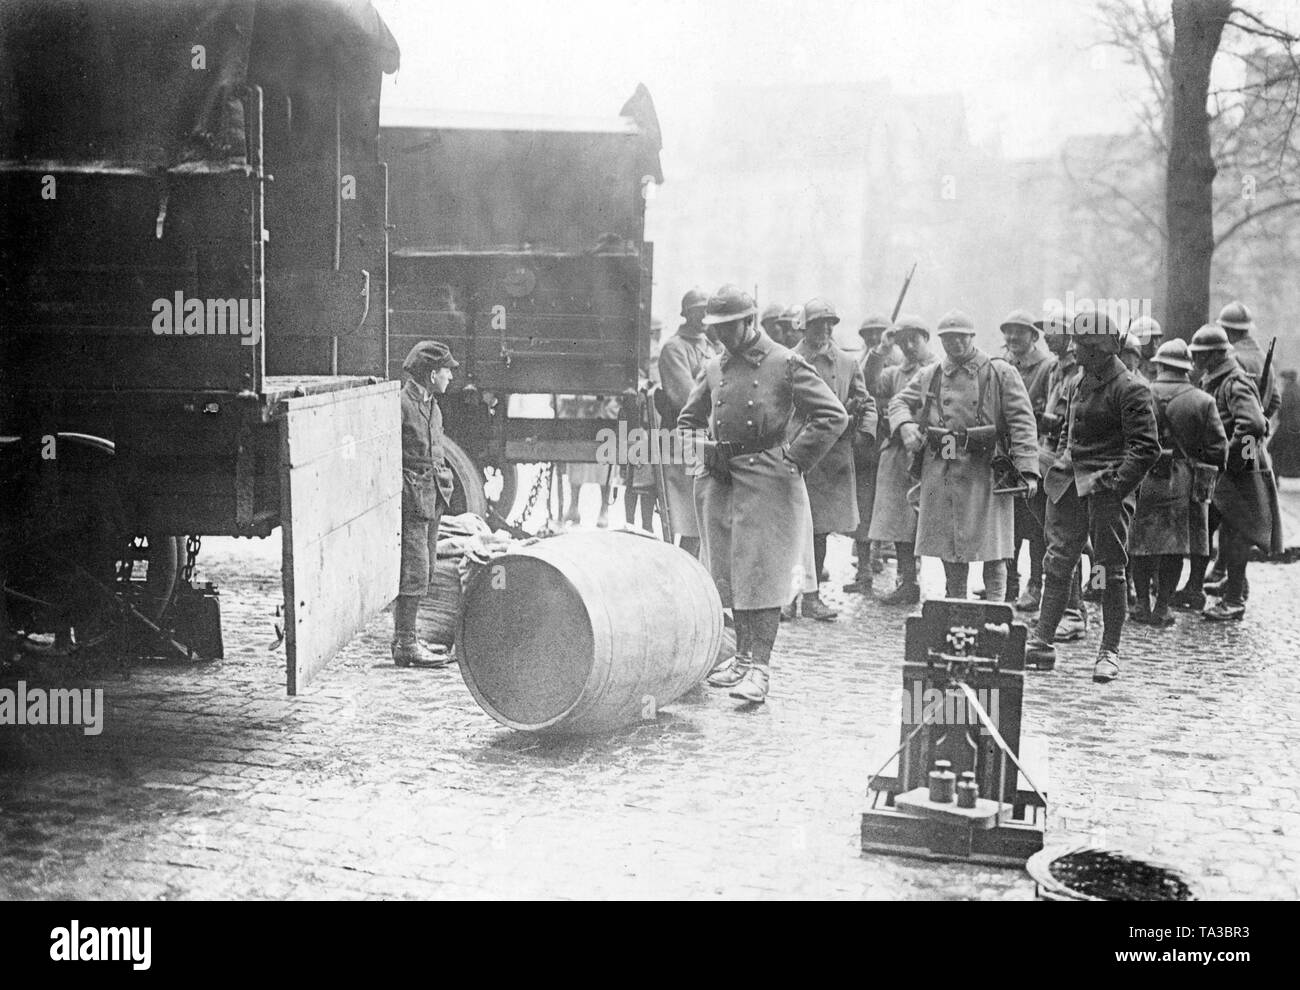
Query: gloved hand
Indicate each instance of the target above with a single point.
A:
(913, 438)
(715, 462)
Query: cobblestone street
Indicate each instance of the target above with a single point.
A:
(384, 783)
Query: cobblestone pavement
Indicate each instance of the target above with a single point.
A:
(383, 783)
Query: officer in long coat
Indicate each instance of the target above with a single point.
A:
(893, 519)
(1173, 508)
(427, 486)
(750, 477)
(1245, 507)
(879, 353)
(832, 484)
(1108, 444)
(681, 359)
(1021, 335)
(960, 412)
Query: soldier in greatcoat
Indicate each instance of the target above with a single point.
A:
(1239, 325)
(879, 353)
(961, 412)
(1021, 335)
(1173, 509)
(1108, 443)
(749, 481)
(832, 482)
(681, 359)
(427, 485)
(893, 519)
(1245, 506)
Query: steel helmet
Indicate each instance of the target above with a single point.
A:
(1174, 353)
(1096, 327)
(771, 313)
(1210, 337)
(793, 315)
(955, 321)
(694, 299)
(1020, 318)
(874, 322)
(1056, 320)
(1235, 316)
(728, 304)
(819, 309)
(910, 323)
(1129, 341)
(1145, 329)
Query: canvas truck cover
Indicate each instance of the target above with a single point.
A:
(154, 84)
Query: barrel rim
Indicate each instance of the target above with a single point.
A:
(463, 662)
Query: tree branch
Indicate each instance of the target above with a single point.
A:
(1249, 217)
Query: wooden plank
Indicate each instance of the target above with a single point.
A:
(341, 498)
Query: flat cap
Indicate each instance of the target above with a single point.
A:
(429, 355)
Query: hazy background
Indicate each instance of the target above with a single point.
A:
(820, 147)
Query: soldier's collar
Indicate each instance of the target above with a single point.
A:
(685, 331)
(758, 349)
(1109, 373)
(421, 393)
(1032, 359)
(976, 360)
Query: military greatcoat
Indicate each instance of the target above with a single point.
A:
(892, 517)
(1169, 520)
(832, 485)
(752, 535)
(960, 518)
(681, 359)
(1246, 495)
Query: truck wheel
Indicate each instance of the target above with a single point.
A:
(468, 495)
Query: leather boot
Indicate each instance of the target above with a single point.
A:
(907, 593)
(408, 651)
(730, 672)
(752, 687)
(1074, 625)
(814, 608)
(1031, 599)
(790, 609)
(1106, 668)
(1039, 654)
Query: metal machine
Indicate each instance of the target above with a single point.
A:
(964, 783)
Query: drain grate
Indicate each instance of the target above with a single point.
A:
(1105, 875)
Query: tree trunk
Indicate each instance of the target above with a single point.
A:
(1189, 192)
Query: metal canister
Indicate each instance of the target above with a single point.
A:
(942, 782)
(968, 790)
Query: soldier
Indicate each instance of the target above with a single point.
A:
(1245, 507)
(831, 484)
(1172, 518)
(893, 519)
(1021, 335)
(1074, 623)
(879, 353)
(792, 321)
(1237, 323)
(426, 491)
(750, 482)
(1130, 355)
(1108, 444)
(681, 359)
(960, 413)
(1150, 336)
(770, 321)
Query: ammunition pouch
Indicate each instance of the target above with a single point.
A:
(935, 437)
(981, 439)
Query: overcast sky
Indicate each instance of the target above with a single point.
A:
(1027, 69)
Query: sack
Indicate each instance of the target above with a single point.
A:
(1204, 479)
(440, 608)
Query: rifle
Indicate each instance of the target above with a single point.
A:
(1263, 374)
(902, 294)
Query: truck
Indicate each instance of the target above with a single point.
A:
(213, 260)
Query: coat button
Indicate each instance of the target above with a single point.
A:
(749, 422)
(755, 384)
(751, 402)
(751, 460)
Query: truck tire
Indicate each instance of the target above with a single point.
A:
(468, 495)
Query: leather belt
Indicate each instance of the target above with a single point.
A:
(731, 449)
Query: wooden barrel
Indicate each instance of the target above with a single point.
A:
(587, 631)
